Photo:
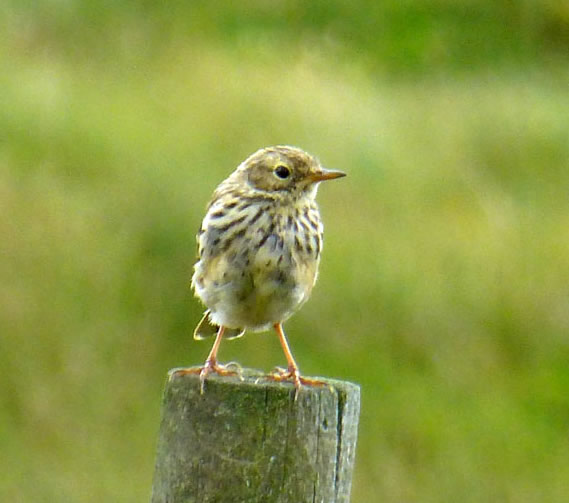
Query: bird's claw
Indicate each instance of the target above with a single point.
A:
(211, 366)
(279, 374)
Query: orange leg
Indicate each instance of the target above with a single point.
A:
(292, 372)
(211, 364)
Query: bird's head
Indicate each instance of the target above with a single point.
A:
(285, 170)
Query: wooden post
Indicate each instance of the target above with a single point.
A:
(249, 440)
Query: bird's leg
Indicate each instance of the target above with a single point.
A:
(211, 364)
(292, 372)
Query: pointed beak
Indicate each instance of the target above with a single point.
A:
(326, 174)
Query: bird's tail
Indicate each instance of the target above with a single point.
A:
(207, 329)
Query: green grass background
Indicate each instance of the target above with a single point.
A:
(444, 286)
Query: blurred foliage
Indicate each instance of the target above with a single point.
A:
(443, 286)
(399, 36)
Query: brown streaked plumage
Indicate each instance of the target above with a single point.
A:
(259, 249)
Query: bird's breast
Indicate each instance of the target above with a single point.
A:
(260, 270)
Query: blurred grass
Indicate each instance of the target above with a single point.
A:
(443, 287)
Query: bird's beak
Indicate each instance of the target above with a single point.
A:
(326, 174)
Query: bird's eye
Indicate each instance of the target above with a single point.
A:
(282, 171)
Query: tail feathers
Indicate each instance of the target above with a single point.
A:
(207, 329)
(233, 333)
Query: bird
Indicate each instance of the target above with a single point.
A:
(259, 248)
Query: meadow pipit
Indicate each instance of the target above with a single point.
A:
(259, 248)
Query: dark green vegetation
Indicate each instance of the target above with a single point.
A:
(444, 282)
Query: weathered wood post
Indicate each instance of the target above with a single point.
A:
(249, 440)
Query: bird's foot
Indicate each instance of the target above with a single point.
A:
(211, 366)
(279, 374)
